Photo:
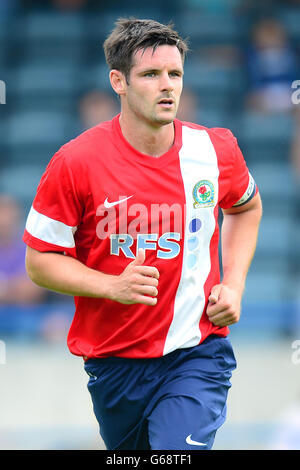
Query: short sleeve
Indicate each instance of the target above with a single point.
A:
(56, 210)
(242, 187)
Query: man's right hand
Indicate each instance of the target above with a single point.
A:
(136, 284)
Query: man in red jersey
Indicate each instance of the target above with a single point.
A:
(125, 219)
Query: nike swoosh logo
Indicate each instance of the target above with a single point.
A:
(111, 204)
(194, 443)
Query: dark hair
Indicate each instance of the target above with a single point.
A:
(131, 35)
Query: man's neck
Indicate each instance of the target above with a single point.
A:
(153, 141)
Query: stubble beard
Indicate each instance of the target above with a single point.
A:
(158, 120)
(152, 117)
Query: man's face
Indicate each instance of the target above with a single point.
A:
(155, 85)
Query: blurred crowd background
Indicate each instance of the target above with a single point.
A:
(243, 73)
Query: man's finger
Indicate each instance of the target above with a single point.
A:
(213, 309)
(140, 258)
(143, 299)
(215, 294)
(147, 290)
(213, 299)
(150, 271)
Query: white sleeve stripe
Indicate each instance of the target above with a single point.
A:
(49, 230)
(249, 193)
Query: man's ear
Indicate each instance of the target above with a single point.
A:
(118, 81)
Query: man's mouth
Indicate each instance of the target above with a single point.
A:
(166, 102)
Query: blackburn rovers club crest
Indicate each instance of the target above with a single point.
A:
(203, 194)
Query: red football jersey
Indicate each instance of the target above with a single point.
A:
(100, 200)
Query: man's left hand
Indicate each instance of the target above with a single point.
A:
(224, 305)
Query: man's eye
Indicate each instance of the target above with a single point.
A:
(150, 74)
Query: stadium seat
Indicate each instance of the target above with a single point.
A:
(275, 235)
(217, 85)
(266, 138)
(45, 85)
(260, 127)
(267, 279)
(3, 48)
(276, 182)
(35, 136)
(266, 316)
(290, 18)
(53, 52)
(54, 25)
(21, 181)
(213, 117)
(208, 28)
(36, 127)
(43, 37)
(94, 77)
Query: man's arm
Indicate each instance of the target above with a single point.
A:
(239, 237)
(66, 275)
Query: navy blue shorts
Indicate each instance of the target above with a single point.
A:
(177, 401)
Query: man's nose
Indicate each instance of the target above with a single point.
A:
(166, 82)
